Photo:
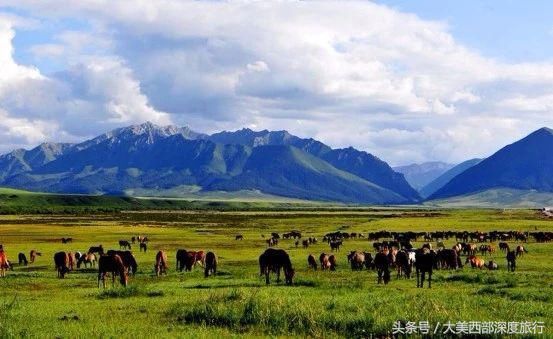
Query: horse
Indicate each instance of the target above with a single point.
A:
(382, 265)
(475, 262)
(181, 259)
(210, 264)
(129, 261)
(305, 243)
(22, 259)
(114, 265)
(368, 260)
(96, 249)
(199, 258)
(124, 244)
(335, 245)
(325, 264)
(161, 263)
(4, 263)
(239, 237)
(356, 260)
(143, 247)
(521, 250)
(511, 261)
(424, 263)
(311, 262)
(33, 254)
(66, 240)
(275, 260)
(87, 259)
(492, 265)
(333, 262)
(72, 261)
(403, 265)
(504, 247)
(61, 260)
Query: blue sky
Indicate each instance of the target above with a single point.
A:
(408, 81)
(518, 31)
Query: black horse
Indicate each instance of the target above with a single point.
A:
(424, 263)
(382, 265)
(511, 261)
(275, 260)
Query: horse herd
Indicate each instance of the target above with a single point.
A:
(400, 255)
(395, 253)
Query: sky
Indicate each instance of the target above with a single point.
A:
(408, 81)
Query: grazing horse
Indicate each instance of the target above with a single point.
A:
(129, 261)
(112, 264)
(210, 264)
(511, 261)
(424, 263)
(356, 260)
(33, 254)
(199, 258)
(143, 247)
(492, 265)
(161, 263)
(88, 259)
(181, 259)
(72, 261)
(66, 240)
(96, 249)
(239, 237)
(475, 262)
(382, 265)
(61, 260)
(504, 247)
(521, 250)
(22, 259)
(325, 264)
(311, 262)
(333, 262)
(335, 245)
(4, 263)
(275, 260)
(124, 244)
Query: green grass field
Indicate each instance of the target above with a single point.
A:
(236, 302)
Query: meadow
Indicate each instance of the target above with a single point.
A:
(236, 302)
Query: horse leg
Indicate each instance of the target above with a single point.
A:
(423, 274)
(278, 274)
(429, 279)
(267, 276)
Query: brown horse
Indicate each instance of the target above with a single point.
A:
(274, 260)
(114, 265)
(333, 262)
(161, 263)
(33, 255)
(325, 264)
(210, 264)
(128, 260)
(520, 250)
(357, 260)
(475, 262)
(72, 261)
(4, 263)
(61, 260)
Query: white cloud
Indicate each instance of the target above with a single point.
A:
(348, 73)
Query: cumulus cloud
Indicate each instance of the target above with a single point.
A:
(348, 73)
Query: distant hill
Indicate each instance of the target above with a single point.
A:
(524, 165)
(443, 179)
(420, 175)
(150, 158)
(497, 198)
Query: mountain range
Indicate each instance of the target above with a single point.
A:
(524, 165)
(154, 157)
(154, 160)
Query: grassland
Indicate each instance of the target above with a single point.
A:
(236, 302)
